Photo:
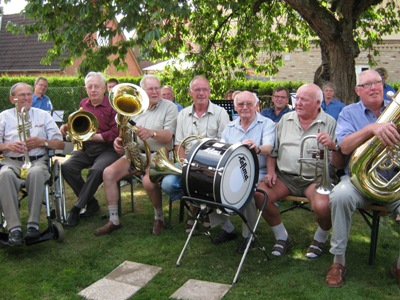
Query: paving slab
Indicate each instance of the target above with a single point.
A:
(201, 290)
(122, 283)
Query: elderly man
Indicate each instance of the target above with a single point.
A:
(258, 132)
(167, 92)
(356, 125)
(39, 99)
(283, 168)
(280, 98)
(42, 134)
(156, 126)
(201, 118)
(96, 153)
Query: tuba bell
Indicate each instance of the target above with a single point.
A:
(82, 125)
(129, 100)
(372, 158)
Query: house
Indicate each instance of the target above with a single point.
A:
(21, 55)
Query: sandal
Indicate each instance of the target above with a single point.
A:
(335, 275)
(281, 247)
(315, 249)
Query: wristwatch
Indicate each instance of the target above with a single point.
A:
(337, 148)
(46, 143)
(154, 134)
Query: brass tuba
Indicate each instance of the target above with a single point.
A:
(372, 157)
(82, 125)
(320, 160)
(129, 100)
(23, 126)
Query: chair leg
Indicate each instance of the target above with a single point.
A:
(374, 237)
(169, 224)
(132, 195)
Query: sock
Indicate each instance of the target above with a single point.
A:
(16, 228)
(340, 259)
(113, 211)
(32, 225)
(158, 214)
(228, 226)
(321, 235)
(280, 232)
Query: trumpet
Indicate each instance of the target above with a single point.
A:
(82, 125)
(23, 125)
(320, 160)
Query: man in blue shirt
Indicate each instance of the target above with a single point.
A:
(386, 87)
(168, 93)
(39, 99)
(280, 98)
(355, 126)
(331, 105)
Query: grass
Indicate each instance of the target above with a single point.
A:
(53, 270)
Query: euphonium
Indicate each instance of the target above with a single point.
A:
(82, 125)
(372, 158)
(129, 100)
(23, 126)
(320, 160)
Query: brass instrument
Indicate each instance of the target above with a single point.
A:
(129, 100)
(372, 157)
(320, 160)
(161, 165)
(82, 125)
(23, 126)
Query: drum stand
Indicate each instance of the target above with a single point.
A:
(204, 205)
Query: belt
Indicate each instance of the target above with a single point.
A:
(30, 157)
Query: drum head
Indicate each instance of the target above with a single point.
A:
(221, 172)
(235, 185)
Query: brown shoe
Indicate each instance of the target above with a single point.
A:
(158, 226)
(107, 229)
(335, 275)
(395, 272)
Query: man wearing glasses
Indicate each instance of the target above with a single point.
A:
(156, 126)
(96, 153)
(280, 98)
(203, 118)
(357, 124)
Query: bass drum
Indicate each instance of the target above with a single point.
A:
(220, 172)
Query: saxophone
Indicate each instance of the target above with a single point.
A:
(23, 126)
(371, 158)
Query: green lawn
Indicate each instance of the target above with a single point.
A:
(53, 270)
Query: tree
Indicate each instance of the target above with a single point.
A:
(223, 37)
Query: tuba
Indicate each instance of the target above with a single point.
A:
(23, 127)
(82, 125)
(320, 160)
(372, 158)
(129, 100)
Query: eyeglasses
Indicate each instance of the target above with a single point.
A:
(25, 95)
(153, 89)
(199, 90)
(243, 104)
(368, 85)
(279, 97)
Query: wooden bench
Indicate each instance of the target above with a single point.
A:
(371, 215)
